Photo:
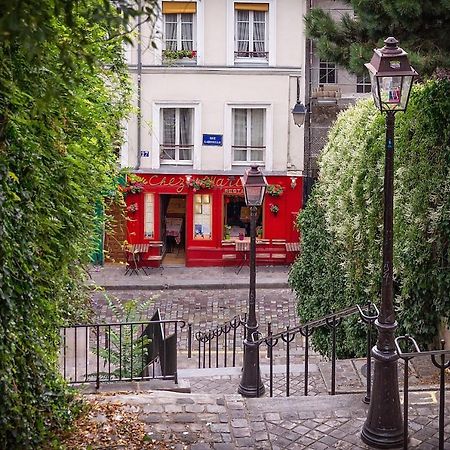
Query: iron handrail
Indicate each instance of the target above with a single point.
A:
(312, 324)
(442, 366)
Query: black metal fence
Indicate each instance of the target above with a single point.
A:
(220, 344)
(438, 359)
(120, 351)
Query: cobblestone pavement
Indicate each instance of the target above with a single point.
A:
(226, 422)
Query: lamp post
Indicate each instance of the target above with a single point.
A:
(254, 184)
(391, 78)
(299, 112)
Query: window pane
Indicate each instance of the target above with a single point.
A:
(170, 31)
(187, 18)
(257, 155)
(186, 126)
(327, 72)
(202, 216)
(240, 127)
(240, 154)
(257, 130)
(168, 126)
(242, 32)
(149, 216)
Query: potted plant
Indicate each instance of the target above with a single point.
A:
(259, 232)
(275, 190)
(227, 232)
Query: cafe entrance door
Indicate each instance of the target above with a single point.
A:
(173, 229)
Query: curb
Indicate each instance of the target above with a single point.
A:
(189, 285)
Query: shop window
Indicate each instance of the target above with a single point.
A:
(149, 216)
(237, 218)
(251, 31)
(202, 216)
(249, 135)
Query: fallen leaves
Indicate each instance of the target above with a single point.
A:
(107, 425)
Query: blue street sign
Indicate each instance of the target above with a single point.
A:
(213, 139)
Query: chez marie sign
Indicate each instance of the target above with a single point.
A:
(230, 185)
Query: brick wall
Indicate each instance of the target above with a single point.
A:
(115, 234)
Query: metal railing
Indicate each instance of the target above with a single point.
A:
(228, 339)
(438, 358)
(222, 339)
(331, 321)
(120, 351)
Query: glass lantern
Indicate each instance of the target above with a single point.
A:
(391, 77)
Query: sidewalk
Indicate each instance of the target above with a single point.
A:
(112, 277)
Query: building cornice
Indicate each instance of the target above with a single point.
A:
(218, 70)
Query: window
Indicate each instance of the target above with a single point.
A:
(149, 216)
(363, 85)
(249, 135)
(202, 216)
(251, 31)
(179, 31)
(327, 72)
(237, 218)
(177, 135)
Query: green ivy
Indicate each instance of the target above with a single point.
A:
(64, 91)
(340, 260)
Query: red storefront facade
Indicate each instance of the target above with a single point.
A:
(200, 218)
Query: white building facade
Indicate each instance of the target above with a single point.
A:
(213, 97)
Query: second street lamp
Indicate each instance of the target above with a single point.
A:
(391, 78)
(254, 184)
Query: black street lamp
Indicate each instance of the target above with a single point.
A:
(391, 78)
(299, 114)
(254, 184)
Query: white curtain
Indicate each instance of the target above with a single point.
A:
(240, 134)
(187, 41)
(257, 134)
(259, 32)
(242, 31)
(170, 31)
(185, 134)
(168, 138)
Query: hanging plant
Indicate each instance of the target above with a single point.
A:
(274, 208)
(135, 185)
(275, 190)
(205, 183)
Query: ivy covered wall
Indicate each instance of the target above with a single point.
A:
(340, 260)
(63, 94)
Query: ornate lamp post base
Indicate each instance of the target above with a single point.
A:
(251, 384)
(384, 425)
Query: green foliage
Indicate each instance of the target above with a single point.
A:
(340, 262)
(127, 350)
(63, 93)
(420, 26)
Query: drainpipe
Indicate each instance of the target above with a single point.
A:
(139, 108)
(307, 125)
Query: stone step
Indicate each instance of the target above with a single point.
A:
(208, 421)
